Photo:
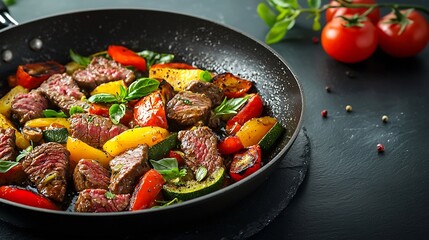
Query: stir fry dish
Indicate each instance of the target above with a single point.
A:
(122, 130)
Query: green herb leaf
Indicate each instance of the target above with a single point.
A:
(116, 112)
(201, 173)
(109, 195)
(206, 76)
(153, 57)
(279, 30)
(76, 109)
(316, 22)
(285, 3)
(141, 88)
(84, 61)
(166, 203)
(314, 3)
(49, 113)
(230, 106)
(265, 13)
(103, 98)
(24, 153)
(58, 135)
(122, 92)
(168, 168)
(6, 165)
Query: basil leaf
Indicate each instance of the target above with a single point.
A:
(265, 13)
(116, 112)
(49, 113)
(122, 92)
(141, 88)
(168, 168)
(84, 61)
(103, 98)
(24, 153)
(206, 76)
(201, 173)
(153, 57)
(6, 165)
(314, 3)
(279, 30)
(76, 109)
(58, 135)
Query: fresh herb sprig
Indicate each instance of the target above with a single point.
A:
(168, 168)
(153, 57)
(281, 15)
(230, 107)
(136, 90)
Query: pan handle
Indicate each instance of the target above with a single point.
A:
(5, 19)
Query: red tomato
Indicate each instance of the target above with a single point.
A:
(411, 41)
(147, 190)
(231, 85)
(33, 74)
(126, 57)
(230, 144)
(245, 163)
(26, 197)
(252, 109)
(331, 13)
(150, 111)
(349, 44)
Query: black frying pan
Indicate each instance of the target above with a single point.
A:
(192, 40)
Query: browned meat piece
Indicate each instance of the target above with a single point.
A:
(93, 129)
(207, 88)
(26, 106)
(187, 108)
(47, 168)
(102, 70)
(100, 200)
(89, 174)
(63, 92)
(200, 147)
(7, 144)
(127, 168)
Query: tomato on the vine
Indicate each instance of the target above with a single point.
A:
(403, 34)
(334, 12)
(351, 40)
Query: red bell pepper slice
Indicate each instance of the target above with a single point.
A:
(15, 175)
(229, 145)
(150, 111)
(175, 65)
(126, 57)
(147, 190)
(252, 109)
(33, 74)
(26, 197)
(245, 163)
(232, 86)
(103, 110)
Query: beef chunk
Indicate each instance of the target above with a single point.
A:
(102, 70)
(207, 88)
(93, 129)
(63, 92)
(200, 147)
(100, 200)
(7, 144)
(88, 174)
(27, 106)
(47, 167)
(127, 168)
(188, 108)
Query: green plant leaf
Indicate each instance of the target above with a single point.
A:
(6, 165)
(49, 113)
(206, 76)
(316, 22)
(103, 98)
(168, 168)
(230, 106)
(153, 57)
(279, 30)
(141, 88)
(285, 3)
(81, 60)
(116, 112)
(314, 3)
(201, 173)
(76, 109)
(265, 13)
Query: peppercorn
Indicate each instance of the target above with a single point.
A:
(350, 74)
(380, 147)
(385, 118)
(328, 89)
(349, 108)
(324, 113)
(315, 40)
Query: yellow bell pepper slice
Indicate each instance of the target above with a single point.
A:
(109, 87)
(254, 130)
(21, 142)
(6, 100)
(131, 138)
(79, 150)
(178, 78)
(46, 122)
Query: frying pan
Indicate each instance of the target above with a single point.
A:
(193, 40)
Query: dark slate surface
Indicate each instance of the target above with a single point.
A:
(350, 190)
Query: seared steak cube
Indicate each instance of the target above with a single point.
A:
(88, 174)
(127, 168)
(102, 70)
(207, 88)
(93, 129)
(101, 200)
(27, 106)
(47, 167)
(7, 144)
(200, 147)
(188, 108)
(63, 92)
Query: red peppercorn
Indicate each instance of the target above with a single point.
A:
(324, 113)
(380, 147)
(315, 40)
